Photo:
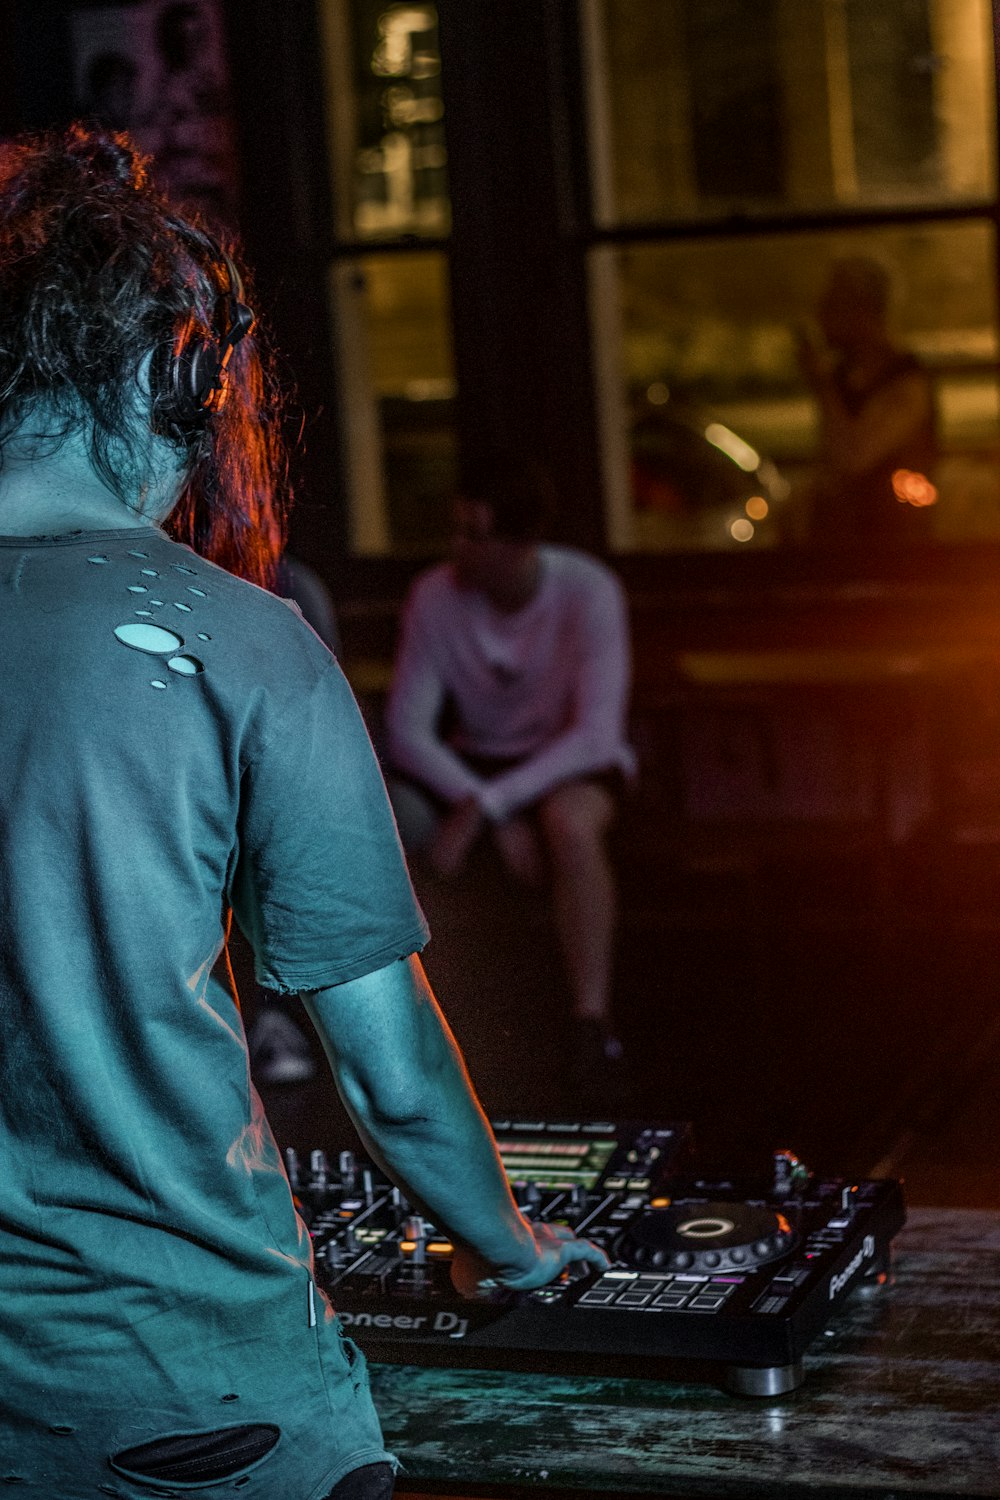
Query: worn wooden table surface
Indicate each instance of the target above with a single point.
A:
(902, 1398)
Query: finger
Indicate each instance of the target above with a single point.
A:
(588, 1251)
(556, 1231)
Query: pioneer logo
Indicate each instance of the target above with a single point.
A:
(442, 1322)
(838, 1282)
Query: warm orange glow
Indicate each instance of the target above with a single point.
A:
(912, 488)
(440, 1247)
(757, 507)
(660, 1203)
(407, 1246)
(783, 1224)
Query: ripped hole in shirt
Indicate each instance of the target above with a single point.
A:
(199, 1457)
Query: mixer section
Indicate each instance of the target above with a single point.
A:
(738, 1275)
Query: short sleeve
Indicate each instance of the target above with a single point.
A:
(321, 888)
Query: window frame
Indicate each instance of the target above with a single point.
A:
(845, 561)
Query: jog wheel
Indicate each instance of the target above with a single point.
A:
(704, 1237)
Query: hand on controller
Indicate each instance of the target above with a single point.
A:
(556, 1248)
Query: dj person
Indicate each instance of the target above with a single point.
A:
(179, 746)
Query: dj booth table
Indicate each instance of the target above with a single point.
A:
(901, 1399)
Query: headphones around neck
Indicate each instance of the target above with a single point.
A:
(191, 378)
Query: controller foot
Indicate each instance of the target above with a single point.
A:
(772, 1380)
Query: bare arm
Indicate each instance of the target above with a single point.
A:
(404, 1084)
(412, 713)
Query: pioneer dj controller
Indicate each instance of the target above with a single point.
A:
(734, 1276)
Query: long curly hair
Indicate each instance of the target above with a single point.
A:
(98, 272)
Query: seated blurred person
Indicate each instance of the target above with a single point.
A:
(878, 428)
(506, 719)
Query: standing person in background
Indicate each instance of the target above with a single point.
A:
(178, 748)
(506, 718)
(878, 427)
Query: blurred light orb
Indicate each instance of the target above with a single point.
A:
(741, 530)
(657, 394)
(727, 442)
(913, 488)
(757, 507)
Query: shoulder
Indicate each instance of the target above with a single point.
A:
(578, 574)
(252, 625)
(905, 362)
(903, 371)
(433, 592)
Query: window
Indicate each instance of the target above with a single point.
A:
(388, 274)
(740, 150)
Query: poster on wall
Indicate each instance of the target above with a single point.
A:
(157, 68)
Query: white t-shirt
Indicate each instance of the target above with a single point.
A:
(546, 686)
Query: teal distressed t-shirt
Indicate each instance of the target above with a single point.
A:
(175, 744)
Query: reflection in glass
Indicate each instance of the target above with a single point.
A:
(708, 108)
(386, 118)
(707, 375)
(398, 389)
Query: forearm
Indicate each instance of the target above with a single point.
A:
(447, 1166)
(434, 765)
(405, 1087)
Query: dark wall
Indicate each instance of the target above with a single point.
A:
(35, 72)
(285, 219)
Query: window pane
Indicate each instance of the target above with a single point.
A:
(706, 108)
(386, 118)
(701, 370)
(397, 380)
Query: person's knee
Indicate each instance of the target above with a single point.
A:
(574, 820)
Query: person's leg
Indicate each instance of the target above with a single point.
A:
(518, 845)
(574, 821)
(373, 1482)
(280, 1048)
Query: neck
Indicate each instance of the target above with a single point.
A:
(46, 492)
(516, 585)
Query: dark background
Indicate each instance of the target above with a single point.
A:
(822, 978)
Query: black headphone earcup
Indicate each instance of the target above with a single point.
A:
(189, 382)
(186, 384)
(199, 387)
